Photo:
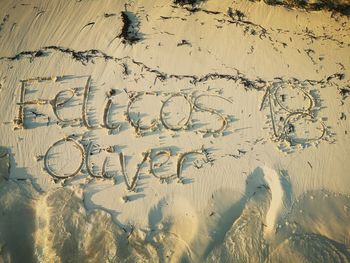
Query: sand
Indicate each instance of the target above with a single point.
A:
(154, 131)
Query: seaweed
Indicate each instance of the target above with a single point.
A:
(236, 14)
(87, 56)
(333, 5)
(188, 2)
(344, 92)
(4, 20)
(106, 15)
(131, 26)
(184, 42)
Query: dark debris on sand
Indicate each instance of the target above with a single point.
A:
(130, 33)
(188, 2)
(332, 5)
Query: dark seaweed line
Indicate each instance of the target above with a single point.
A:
(86, 56)
(236, 21)
(4, 20)
(263, 31)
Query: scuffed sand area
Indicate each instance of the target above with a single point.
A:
(56, 227)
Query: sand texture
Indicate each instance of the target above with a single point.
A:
(174, 131)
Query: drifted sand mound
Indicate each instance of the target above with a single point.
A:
(67, 232)
(56, 227)
(17, 225)
(244, 242)
(309, 248)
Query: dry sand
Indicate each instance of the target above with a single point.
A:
(152, 131)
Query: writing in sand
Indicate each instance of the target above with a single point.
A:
(86, 149)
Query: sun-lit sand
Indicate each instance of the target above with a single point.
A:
(158, 131)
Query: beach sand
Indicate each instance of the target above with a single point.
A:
(172, 131)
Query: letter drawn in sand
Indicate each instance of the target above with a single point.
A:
(200, 107)
(19, 121)
(80, 164)
(85, 102)
(131, 186)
